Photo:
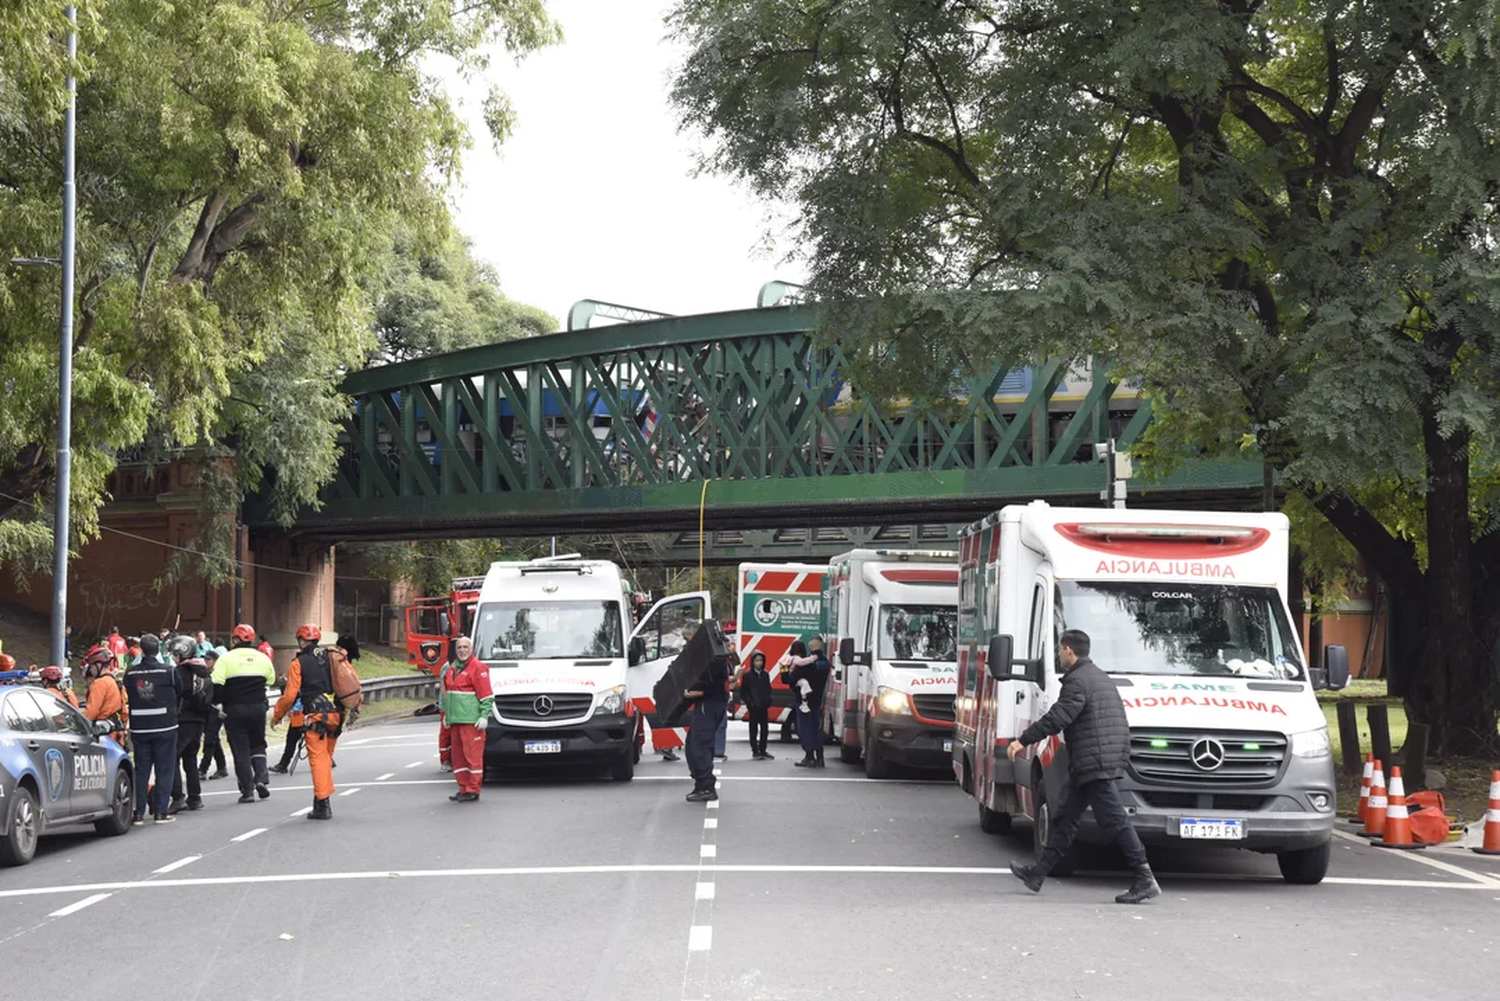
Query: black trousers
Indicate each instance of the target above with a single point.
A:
(213, 747)
(760, 729)
(188, 735)
(245, 726)
(1109, 814)
(703, 723)
(293, 738)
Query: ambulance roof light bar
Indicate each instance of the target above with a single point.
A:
(467, 583)
(1165, 531)
(924, 554)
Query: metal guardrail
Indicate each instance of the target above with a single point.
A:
(397, 686)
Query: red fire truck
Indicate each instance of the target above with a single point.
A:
(432, 624)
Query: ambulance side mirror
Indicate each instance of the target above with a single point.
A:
(1335, 666)
(637, 650)
(846, 651)
(1001, 656)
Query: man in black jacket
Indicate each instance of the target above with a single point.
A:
(1091, 717)
(195, 679)
(710, 697)
(153, 690)
(755, 692)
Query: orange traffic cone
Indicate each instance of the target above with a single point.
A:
(1364, 791)
(1397, 819)
(1375, 812)
(1491, 844)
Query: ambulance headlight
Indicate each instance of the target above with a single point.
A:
(612, 701)
(890, 702)
(1312, 743)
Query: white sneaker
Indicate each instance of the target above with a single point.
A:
(445, 767)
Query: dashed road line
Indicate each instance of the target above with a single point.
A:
(416, 764)
(298, 813)
(350, 792)
(700, 938)
(249, 834)
(708, 851)
(79, 905)
(382, 778)
(174, 866)
(703, 891)
(710, 823)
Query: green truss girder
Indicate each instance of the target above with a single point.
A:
(620, 428)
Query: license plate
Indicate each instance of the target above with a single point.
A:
(947, 745)
(1212, 830)
(543, 747)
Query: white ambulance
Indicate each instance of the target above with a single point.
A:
(572, 680)
(894, 615)
(779, 604)
(1187, 612)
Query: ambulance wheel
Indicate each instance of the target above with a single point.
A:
(876, 767)
(118, 821)
(849, 753)
(23, 825)
(992, 821)
(638, 743)
(1042, 827)
(1306, 866)
(623, 770)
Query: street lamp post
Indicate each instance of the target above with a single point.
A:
(65, 369)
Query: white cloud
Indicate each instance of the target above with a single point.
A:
(594, 194)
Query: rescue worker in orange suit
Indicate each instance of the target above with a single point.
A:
(106, 699)
(468, 702)
(310, 679)
(52, 681)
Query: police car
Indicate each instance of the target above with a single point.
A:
(56, 771)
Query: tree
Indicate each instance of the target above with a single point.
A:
(441, 299)
(242, 168)
(1279, 215)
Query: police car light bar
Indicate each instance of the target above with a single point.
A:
(1165, 531)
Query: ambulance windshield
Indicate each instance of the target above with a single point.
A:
(548, 630)
(918, 632)
(1152, 628)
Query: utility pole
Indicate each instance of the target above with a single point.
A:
(65, 366)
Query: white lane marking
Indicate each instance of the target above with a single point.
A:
(173, 866)
(719, 772)
(78, 905)
(713, 804)
(1439, 864)
(350, 792)
(298, 813)
(708, 851)
(385, 747)
(699, 868)
(711, 822)
(249, 834)
(370, 740)
(382, 778)
(700, 938)
(403, 782)
(416, 764)
(704, 891)
(934, 783)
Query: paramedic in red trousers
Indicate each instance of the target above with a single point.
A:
(309, 679)
(1089, 713)
(467, 704)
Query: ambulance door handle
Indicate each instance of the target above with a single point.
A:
(32, 745)
(1020, 697)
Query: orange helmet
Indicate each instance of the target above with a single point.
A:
(309, 633)
(7, 662)
(243, 633)
(99, 655)
(51, 673)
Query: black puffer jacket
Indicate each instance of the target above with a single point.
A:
(1091, 717)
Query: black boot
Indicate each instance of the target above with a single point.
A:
(321, 810)
(808, 761)
(1143, 889)
(820, 757)
(1035, 874)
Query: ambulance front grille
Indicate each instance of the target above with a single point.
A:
(935, 707)
(1187, 757)
(544, 706)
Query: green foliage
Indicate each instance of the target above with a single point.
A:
(252, 175)
(432, 565)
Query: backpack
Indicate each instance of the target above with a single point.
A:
(346, 685)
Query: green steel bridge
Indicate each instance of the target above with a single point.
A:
(741, 422)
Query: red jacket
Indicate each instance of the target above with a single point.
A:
(467, 695)
(265, 648)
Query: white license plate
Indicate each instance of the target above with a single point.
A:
(947, 745)
(543, 747)
(1212, 830)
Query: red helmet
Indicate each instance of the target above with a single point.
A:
(7, 662)
(51, 673)
(310, 633)
(99, 655)
(243, 633)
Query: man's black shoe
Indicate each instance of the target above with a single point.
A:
(1144, 888)
(279, 768)
(670, 755)
(220, 774)
(701, 795)
(262, 790)
(767, 756)
(193, 804)
(247, 798)
(466, 797)
(1028, 874)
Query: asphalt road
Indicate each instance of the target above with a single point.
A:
(794, 886)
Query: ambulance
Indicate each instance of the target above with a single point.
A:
(894, 614)
(779, 604)
(572, 679)
(1187, 612)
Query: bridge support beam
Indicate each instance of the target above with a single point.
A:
(291, 581)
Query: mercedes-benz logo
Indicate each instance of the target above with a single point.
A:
(1207, 754)
(543, 707)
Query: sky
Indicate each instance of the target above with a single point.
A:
(595, 195)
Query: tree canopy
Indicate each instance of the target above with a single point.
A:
(253, 175)
(1278, 215)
